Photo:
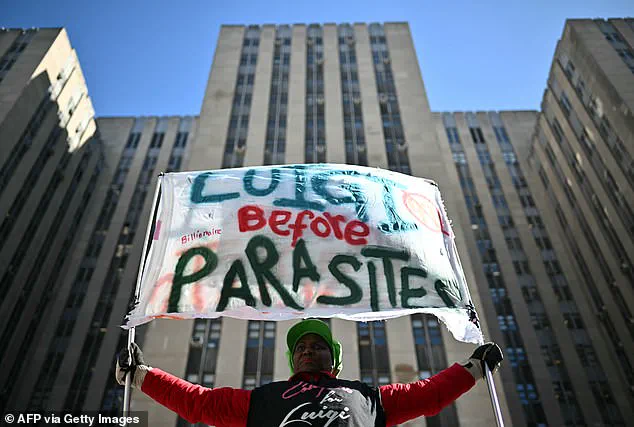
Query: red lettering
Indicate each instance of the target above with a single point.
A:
(335, 222)
(356, 231)
(252, 218)
(279, 218)
(249, 213)
(314, 226)
(299, 225)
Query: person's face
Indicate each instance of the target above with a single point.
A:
(312, 354)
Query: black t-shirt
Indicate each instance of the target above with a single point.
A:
(330, 402)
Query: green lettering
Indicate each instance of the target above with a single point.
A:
(262, 270)
(211, 261)
(301, 189)
(406, 291)
(229, 291)
(355, 290)
(449, 291)
(197, 191)
(374, 292)
(250, 188)
(300, 253)
(387, 254)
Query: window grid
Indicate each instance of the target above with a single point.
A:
(430, 357)
(393, 132)
(101, 316)
(594, 108)
(56, 349)
(17, 47)
(568, 403)
(203, 355)
(315, 150)
(373, 353)
(235, 145)
(25, 142)
(617, 41)
(591, 286)
(523, 375)
(113, 393)
(609, 185)
(50, 281)
(178, 150)
(275, 138)
(259, 354)
(16, 208)
(354, 133)
(597, 209)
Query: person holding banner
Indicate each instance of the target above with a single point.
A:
(314, 394)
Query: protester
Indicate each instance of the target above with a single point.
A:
(313, 395)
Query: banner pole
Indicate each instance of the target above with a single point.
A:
(488, 375)
(132, 331)
(493, 396)
(473, 318)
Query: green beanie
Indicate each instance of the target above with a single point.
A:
(317, 327)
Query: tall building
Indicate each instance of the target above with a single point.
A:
(317, 93)
(527, 280)
(541, 204)
(69, 364)
(74, 207)
(50, 161)
(581, 165)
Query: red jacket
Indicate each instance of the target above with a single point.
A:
(229, 407)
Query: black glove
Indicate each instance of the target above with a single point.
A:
(131, 360)
(489, 353)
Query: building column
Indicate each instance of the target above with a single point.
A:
(259, 115)
(372, 123)
(333, 109)
(295, 131)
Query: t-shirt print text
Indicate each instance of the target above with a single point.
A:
(329, 407)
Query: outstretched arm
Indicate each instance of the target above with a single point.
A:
(403, 402)
(222, 407)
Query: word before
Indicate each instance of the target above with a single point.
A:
(252, 218)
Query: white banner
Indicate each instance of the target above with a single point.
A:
(297, 241)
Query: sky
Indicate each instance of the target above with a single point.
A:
(149, 58)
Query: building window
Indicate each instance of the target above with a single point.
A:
(17, 47)
(617, 42)
(275, 137)
(235, 144)
(259, 354)
(373, 354)
(354, 133)
(41, 394)
(203, 355)
(79, 288)
(118, 263)
(393, 133)
(24, 143)
(315, 147)
(430, 356)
